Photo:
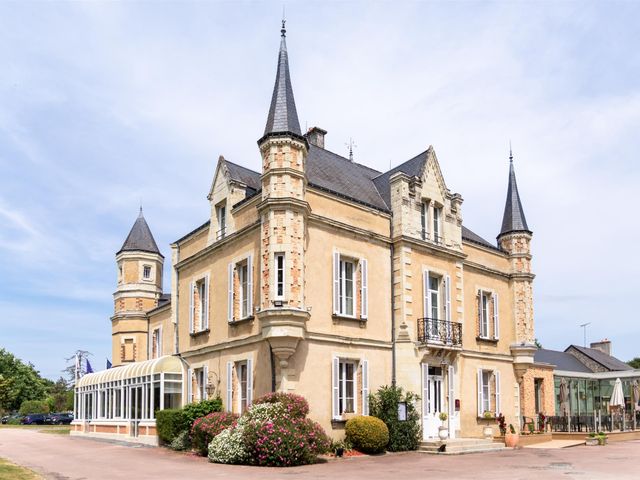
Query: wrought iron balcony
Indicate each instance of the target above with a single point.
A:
(221, 233)
(440, 332)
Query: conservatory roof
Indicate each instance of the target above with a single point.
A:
(166, 364)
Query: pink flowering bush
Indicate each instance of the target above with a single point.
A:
(295, 405)
(205, 428)
(284, 441)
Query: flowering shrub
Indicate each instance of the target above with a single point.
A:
(228, 447)
(181, 441)
(271, 433)
(206, 428)
(367, 434)
(295, 405)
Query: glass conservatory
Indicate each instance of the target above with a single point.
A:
(123, 400)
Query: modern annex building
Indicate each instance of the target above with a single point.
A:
(321, 276)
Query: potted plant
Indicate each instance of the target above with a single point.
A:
(511, 439)
(339, 448)
(487, 431)
(443, 430)
(602, 438)
(348, 415)
(542, 422)
(591, 439)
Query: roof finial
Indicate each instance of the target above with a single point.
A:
(351, 146)
(510, 153)
(283, 32)
(140, 214)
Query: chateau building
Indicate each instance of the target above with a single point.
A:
(321, 276)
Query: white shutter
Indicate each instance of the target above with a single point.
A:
(230, 294)
(205, 314)
(480, 320)
(480, 394)
(447, 293)
(229, 387)
(205, 380)
(427, 298)
(450, 382)
(335, 377)
(249, 381)
(250, 285)
(497, 380)
(365, 387)
(189, 386)
(364, 297)
(496, 318)
(159, 352)
(191, 326)
(425, 389)
(336, 283)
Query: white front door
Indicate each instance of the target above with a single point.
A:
(432, 403)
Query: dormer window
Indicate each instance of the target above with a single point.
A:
(424, 219)
(221, 215)
(146, 272)
(437, 224)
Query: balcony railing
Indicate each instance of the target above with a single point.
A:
(221, 233)
(432, 237)
(432, 330)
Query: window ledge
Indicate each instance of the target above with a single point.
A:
(199, 332)
(242, 320)
(487, 340)
(337, 317)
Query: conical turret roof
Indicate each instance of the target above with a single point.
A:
(140, 238)
(513, 219)
(283, 116)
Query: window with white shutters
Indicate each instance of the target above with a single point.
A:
(349, 274)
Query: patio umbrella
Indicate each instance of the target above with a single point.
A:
(617, 398)
(564, 399)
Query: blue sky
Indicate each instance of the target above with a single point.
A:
(106, 104)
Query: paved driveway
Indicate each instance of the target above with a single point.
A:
(72, 458)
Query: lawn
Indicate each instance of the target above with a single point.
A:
(9, 471)
(52, 429)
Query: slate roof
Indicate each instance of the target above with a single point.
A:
(562, 360)
(283, 116)
(140, 238)
(243, 175)
(513, 219)
(475, 238)
(412, 168)
(607, 361)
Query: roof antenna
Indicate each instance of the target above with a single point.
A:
(284, 30)
(510, 153)
(351, 146)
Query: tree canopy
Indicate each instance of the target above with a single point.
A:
(19, 381)
(635, 363)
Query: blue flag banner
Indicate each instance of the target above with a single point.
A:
(108, 364)
(89, 369)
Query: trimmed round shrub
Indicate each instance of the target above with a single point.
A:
(193, 411)
(169, 424)
(367, 434)
(204, 429)
(228, 447)
(295, 405)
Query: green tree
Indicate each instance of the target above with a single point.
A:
(70, 370)
(537, 343)
(34, 406)
(21, 379)
(60, 396)
(635, 363)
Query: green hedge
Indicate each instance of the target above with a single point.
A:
(403, 435)
(193, 411)
(367, 434)
(169, 424)
(34, 406)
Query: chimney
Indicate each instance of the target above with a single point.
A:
(603, 345)
(315, 136)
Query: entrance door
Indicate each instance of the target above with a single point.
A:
(432, 403)
(135, 409)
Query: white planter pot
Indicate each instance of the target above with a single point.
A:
(443, 433)
(487, 432)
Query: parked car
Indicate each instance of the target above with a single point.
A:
(34, 419)
(12, 419)
(59, 419)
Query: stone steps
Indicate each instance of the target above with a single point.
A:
(460, 446)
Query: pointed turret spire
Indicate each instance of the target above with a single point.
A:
(283, 117)
(140, 237)
(513, 219)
